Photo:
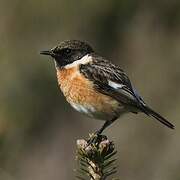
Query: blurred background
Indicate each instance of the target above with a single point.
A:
(38, 128)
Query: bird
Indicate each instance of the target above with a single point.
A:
(95, 86)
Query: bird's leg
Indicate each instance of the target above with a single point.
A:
(104, 126)
(98, 132)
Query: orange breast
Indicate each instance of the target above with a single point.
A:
(77, 89)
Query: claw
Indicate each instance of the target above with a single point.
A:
(92, 139)
(95, 138)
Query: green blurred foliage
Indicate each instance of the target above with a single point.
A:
(38, 128)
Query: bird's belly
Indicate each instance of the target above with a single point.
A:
(102, 114)
(81, 94)
(93, 104)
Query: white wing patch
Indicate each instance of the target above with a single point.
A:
(115, 85)
(84, 60)
(120, 89)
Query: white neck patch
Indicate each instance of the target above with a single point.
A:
(84, 60)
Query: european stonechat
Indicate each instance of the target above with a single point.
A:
(95, 86)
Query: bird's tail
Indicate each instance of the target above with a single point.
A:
(147, 110)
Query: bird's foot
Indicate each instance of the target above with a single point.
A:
(95, 138)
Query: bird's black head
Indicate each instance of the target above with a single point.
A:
(68, 51)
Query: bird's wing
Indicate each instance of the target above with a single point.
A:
(111, 80)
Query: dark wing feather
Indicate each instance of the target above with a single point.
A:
(100, 71)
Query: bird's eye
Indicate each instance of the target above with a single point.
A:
(67, 51)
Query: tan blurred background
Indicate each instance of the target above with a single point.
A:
(38, 129)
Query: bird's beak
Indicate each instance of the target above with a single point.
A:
(47, 52)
